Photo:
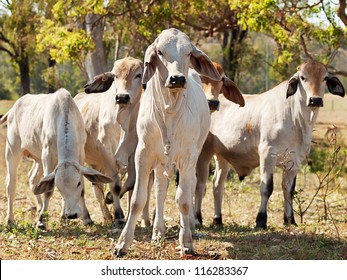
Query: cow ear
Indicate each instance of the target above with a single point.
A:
(232, 92)
(46, 184)
(292, 85)
(101, 83)
(95, 176)
(203, 65)
(335, 86)
(150, 64)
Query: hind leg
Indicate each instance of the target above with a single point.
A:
(13, 155)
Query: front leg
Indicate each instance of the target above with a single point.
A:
(138, 200)
(161, 184)
(288, 187)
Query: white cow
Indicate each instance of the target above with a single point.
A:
(110, 121)
(173, 123)
(272, 129)
(49, 129)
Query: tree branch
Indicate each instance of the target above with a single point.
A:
(341, 11)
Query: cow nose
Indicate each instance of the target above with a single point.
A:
(213, 104)
(122, 98)
(177, 81)
(71, 216)
(315, 102)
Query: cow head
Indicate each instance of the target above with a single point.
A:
(171, 54)
(311, 79)
(125, 77)
(68, 178)
(227, 87)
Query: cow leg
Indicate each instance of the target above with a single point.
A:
(138, 201)
(48, 167)
(161, 184)
(202, 171)
(98, 190)
(267, 165)
(85, 216)
(184, 202)
(288, 186)
(35, 174)
(145, 219)
(118, 215)
(220, 175)
(13, 155)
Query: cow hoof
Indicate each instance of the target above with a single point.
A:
(217, 221)
(260, 227)
(187, 251)
(119, 252)
(119, 224)
(40, 225)
(88, 222)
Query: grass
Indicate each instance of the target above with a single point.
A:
(317, 237)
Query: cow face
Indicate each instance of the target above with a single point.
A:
(227, 87)
(68, 178)
(311, 79)
(171, 54)
(125, 77)
(127, 81)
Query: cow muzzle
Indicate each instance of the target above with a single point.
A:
(176, 81)
(213, 104)
(315, 102)
(122, 98)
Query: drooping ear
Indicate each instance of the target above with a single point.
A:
(203, 65)
(232, 92)
(101, 83)
(46, 184)
(150, 63)
(292, 85)
(95, 176)
(335, 86)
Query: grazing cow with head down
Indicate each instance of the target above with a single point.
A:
(49, 129)
(272, 129)
(173, 123)
(110, 121)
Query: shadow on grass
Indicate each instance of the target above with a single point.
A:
(232, 241)
(288, 243)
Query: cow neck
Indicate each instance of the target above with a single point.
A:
(304, 117)
(168, 105)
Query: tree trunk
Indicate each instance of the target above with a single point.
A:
(232, 50)
(52, 86)
(96, 60)
(24, 75)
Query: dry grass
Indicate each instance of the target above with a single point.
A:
(315, 238)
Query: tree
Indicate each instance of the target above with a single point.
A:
(301, 29)
(17, 36)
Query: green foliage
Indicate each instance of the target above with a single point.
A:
(63, 43)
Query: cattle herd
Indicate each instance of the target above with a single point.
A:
(177, 123)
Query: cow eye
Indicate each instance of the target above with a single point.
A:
(303, 78)
(138, 76)
(159, 52)
(79, 183)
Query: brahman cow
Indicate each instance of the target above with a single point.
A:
(227, 87)
(173, 123)
(49, 129)
(272, 129)
(110, 121)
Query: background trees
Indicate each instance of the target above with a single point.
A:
(53, 43)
